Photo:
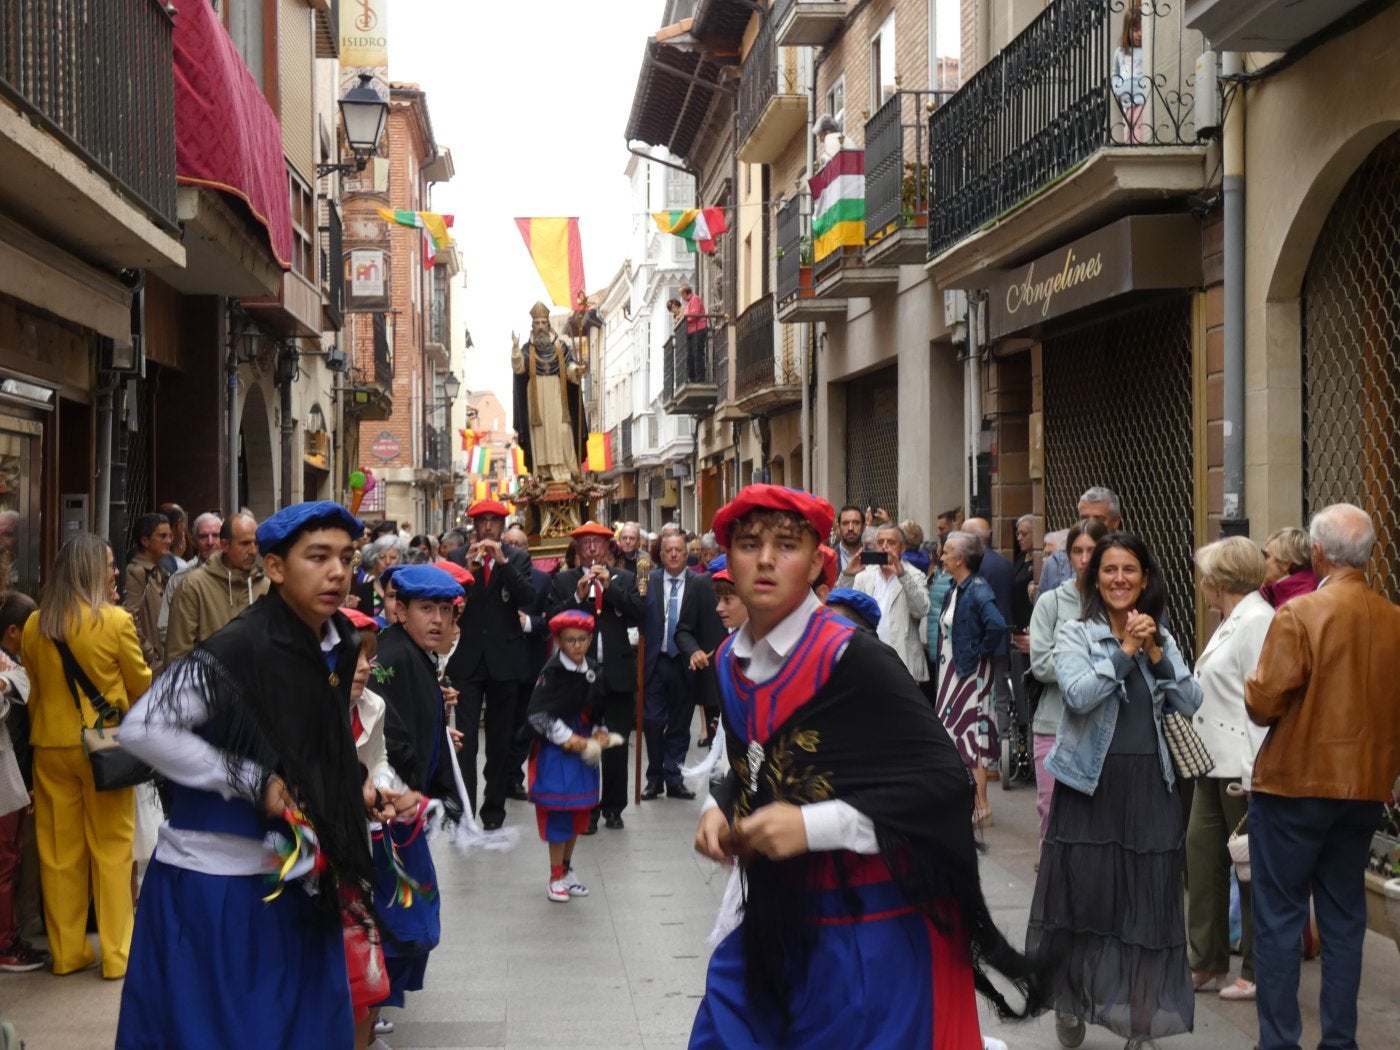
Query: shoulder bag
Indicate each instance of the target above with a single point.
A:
(113, 768)
(1184, 745)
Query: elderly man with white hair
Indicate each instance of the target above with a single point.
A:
(1325, 688)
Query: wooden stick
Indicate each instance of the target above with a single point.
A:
(637, 737)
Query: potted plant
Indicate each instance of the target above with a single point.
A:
(914, 194)
(804, 265)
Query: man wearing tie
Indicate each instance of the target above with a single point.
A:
(682, 628)
(490, 659)
(611, 597)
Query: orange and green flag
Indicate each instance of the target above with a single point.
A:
(555, 248)
(433, 225)
(698, 227)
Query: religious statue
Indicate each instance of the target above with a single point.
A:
(549, 416)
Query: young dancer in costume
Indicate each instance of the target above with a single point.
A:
(861, 920)
(566, 714)
(236, 943)
(415, 734)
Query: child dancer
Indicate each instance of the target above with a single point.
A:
(565, 711)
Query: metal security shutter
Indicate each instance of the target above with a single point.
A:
(1351, 358)
(1118, 413)
(872, 440)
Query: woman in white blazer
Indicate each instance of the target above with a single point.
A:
(1231, 571)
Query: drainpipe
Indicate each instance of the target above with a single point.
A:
(1234, 521)
(102, 522)
(809, 340)
(972, 418)
(231, 393)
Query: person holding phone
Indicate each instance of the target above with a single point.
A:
(900, 590)
(970, 628)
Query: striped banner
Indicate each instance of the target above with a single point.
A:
(838, 204)
(557, 252)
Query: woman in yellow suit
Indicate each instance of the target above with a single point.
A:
(83, 835)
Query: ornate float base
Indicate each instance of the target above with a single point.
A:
(553, 509)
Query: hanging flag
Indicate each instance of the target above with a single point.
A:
(599, 458)
(433, 225)
(479, 460)
(469, 439)
(698, 227)
(517, 461)
(479, 490)
(838, 203)
(554, 246)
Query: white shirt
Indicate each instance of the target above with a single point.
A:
(833, 824)
(162, 735)
(886, 588)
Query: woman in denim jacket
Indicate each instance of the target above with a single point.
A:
(1107, 915)
(969, 629)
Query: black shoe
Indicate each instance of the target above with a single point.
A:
(679, 791)
(703, 742)
(592, 828)
(650, 793)
(519, 793)
(613, 821)
(492, 825)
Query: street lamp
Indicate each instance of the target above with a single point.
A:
(363, 114)
(450, 386)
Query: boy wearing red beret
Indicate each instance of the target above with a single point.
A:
(847, 816)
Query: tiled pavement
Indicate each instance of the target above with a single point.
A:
(625, 967)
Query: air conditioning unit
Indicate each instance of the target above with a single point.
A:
(954, 306)
(337, 360)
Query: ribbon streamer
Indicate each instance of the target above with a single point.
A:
(301, 854)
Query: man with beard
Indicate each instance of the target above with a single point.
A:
(490, 658)
(850, 524)
(612, 598)
(549, 416)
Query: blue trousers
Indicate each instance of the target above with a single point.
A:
(667, 713)
(1295, 843)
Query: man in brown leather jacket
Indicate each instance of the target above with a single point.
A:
(1326, 688)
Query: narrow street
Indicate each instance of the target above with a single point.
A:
(625, 967)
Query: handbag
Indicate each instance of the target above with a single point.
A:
(1188, 752)
(113, 767)
(1238, 845)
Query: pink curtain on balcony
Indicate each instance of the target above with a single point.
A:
(226, 135)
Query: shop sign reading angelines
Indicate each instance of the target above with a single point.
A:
(1139, 253)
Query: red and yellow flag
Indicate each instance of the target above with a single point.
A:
(599, 457)
(555, 248)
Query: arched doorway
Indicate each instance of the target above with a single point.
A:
(257, 488)
(1351, 358)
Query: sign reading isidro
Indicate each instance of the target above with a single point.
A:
(1139, 253)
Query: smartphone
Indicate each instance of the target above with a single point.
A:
(872, 503)
(870, 557)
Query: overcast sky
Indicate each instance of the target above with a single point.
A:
(532, 97)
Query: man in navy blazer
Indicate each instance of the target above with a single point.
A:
(535, 623)
(490, 658)
(997, 570)
(682, 628)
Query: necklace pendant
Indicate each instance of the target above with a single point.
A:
(334, 679)
(754, 757)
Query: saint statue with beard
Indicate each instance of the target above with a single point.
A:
(549, 416)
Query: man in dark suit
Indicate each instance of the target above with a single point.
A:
(997, 570)
(682, 628)
(535, 623)
(610, 595)
(490, 658)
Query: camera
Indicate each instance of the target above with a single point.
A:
(872, 557)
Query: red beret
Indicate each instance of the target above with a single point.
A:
(487, 506)
(571, 618)
(722, 577)
(828, 566)
(592, 528)
(460, 573)
(359, 620)
(818, 512)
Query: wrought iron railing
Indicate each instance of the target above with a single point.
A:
(766, 72)
(99, 76)
(437, 446)
(687, 358)
(625, 451)
(1062, 90)
(437, 308)
(896, 161)
(383, 352)
(792, 231)
(754, 358)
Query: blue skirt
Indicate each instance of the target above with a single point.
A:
(213, 966)
(886, 979)
(408, 934)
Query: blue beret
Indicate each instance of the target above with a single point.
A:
(388, 574)
(860, 603)
(290, 522)
(718, 564)
(427, 582)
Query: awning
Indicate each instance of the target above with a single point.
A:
(226, 136)
(674, 91)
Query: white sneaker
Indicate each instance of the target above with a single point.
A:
(571, 883)
(383, 1026)
(558, 891)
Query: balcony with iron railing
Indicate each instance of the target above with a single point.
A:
(98, 78)
(688, 386)
(796, 297)
(765, 378)
(807, 22)
(772, 98)
(333, 269)
(1066, 122)
(897, 177)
